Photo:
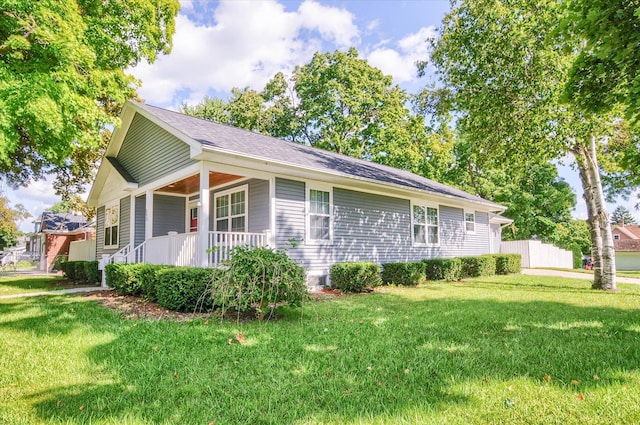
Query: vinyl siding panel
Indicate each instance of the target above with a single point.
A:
(125, 222)
(257, 202)
(148, 152)
(100, 233)
(169, 214)
(141, 205)
(369, 227)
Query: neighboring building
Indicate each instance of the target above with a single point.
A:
(626, 242)
(174, 189)
(53, 234)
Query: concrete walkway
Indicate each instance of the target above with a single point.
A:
(574, 275)
(56, 292)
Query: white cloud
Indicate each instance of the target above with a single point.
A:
(373, 25)
(400, 61)
(247, 45)
(334, 24)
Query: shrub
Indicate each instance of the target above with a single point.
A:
(79, 274)
(449, 269)
(184, 288)
(256, 278)
(577, 255)
(407, 274)
(148, 276)
(67, 269)
(58, 263)
(134, 279)
(483, 265)
(91, 272)
(508, 263)
(355, 277)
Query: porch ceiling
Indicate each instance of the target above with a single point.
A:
(192, 184)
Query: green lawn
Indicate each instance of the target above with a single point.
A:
(619, 273)
(20, 284)
(512, 350)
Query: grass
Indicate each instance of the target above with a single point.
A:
(11, 284)
(513, 350)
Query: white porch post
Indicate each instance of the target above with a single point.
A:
(203, 216)
(271, 235)
(132, 224)
(148, 223)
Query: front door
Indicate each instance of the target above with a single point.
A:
(193, 217)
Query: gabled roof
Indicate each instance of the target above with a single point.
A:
(223, 138)
(631, 230)
(63, 222)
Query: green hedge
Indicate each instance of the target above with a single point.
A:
(577, 255)
(184, 289)
(483, 265)
(81, 271)
(355, 277)
(134, 279)
(449, 269)
(507, 263)
(407, 274)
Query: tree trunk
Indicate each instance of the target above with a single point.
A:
(603, 254)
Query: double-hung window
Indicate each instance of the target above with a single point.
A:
(470, 222)
(111, 225)
(425, 225)
(231, 210)
(319, 215)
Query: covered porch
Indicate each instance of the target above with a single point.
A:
(190, 220)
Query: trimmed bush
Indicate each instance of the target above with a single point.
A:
(258, 278)
(148, 278)
(184, 289)
(91, 272)
(58, 263)
(577, 255)
(79, 274)
(449, 269)
(483, 265)
(134, 279)
(406, 274)
(508, 263)
(355, 277)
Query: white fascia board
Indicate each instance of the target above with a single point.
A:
(288, 170)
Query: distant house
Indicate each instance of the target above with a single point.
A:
(175, 189)
(54, 232)
(626, 242)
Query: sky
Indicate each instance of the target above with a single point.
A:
(219, 45)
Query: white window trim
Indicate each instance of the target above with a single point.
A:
(307, 207)
(464, 216)
(104, 230)
(425, 205)
(244, 188)
(191, 204)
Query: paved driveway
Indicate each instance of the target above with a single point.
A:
(574, 275)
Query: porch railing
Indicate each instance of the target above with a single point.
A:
(182, 249)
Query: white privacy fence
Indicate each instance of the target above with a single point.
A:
(82, 250)
(537, 254)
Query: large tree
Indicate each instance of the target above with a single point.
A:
(62, 79)
(338, 102)
(606, 73)
(621, 215)
(9, 217)
(504, 77)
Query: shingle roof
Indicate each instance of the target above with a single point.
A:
(627, 245)
(223, 137)
(62, 221)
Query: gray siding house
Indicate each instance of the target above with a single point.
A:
(174, 189)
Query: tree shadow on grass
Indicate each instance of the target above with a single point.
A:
(349, 360)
